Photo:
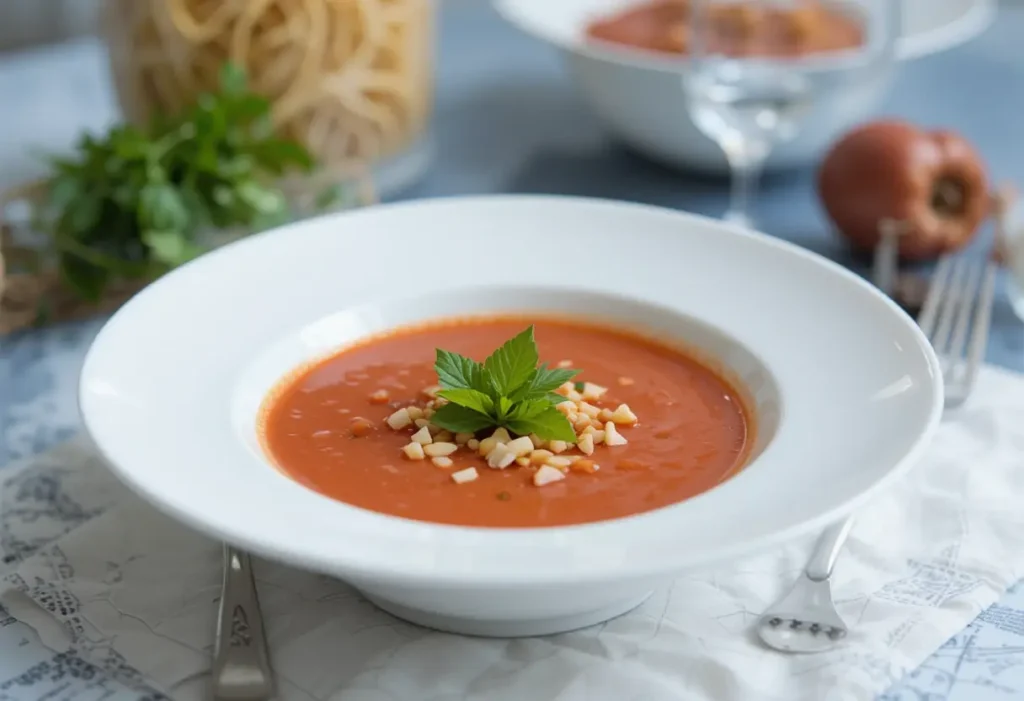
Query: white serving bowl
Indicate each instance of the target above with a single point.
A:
(845, 387)
(640, 97)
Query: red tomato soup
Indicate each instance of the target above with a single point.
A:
(654, 427)
(735, 28)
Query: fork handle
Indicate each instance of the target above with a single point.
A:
(241, 663)
(826, 550)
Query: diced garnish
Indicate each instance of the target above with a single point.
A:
(586, 444)
(559, 461)
(414, 451)
(442, 449)
(624, 415)
(500, 457)
(520, 446)
(442, 461)
(584, 465)
(422, 436)
(400, 419)
(546, 475)
(431, 391)
(592, 392)
(381, 396)
(540, 456)
(463, 476)
(463, 438)
(558, 446)
(501, 435)
(612, 435)
(522, 462)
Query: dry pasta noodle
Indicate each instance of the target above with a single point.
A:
(351, 79)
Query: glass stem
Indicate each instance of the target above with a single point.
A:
(745, 164)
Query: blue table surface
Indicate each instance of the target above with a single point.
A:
(508, 120)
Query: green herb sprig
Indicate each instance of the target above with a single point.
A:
(132, 202)
(508, 389)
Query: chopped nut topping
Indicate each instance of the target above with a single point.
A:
(586, 444)
(612, 435)
(442, 449)
(400, 419)
(422, 436)
(500, 457)
(623, 415)
(463, 476)
(414, 451)
(520, 446)
(546, 475)
(595, 424)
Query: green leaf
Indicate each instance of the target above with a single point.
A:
(529, 409)
(512, 365)
(459, 419)
(232, 79)
(86, 279)
(542, 381)
(550, 424)
(161, 207)
(470, 399)
(170, 247)
(456, 371)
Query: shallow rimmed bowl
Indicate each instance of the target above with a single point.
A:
(639, 95)
(846, 387)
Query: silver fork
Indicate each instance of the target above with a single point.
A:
(955, 317)
(805, 619)
(241, 662)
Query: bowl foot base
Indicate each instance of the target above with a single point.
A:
(507, 629)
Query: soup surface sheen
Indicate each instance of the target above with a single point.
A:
(692, 433)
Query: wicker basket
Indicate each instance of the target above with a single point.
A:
(32, 292)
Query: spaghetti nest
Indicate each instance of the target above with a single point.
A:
(351, 79)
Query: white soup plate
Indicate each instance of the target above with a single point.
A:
(845, 389)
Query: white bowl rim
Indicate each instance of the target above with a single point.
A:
(963, 29)
(599, 560)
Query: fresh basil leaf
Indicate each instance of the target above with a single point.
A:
(460, 419)
(513, 363)
(456, 371)
(528, 409)
(542, 381)
(469, 398)
(550, 424)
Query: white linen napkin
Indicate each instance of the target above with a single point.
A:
(924, 559)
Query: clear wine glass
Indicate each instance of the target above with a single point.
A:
(757, 67)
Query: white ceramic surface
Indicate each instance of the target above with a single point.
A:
(845, 387)
(640, 98)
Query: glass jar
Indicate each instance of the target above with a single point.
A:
(350, 79)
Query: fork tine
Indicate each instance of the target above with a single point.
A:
(948, 307)
(936, 290)
(982, 320)
(968, 294)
